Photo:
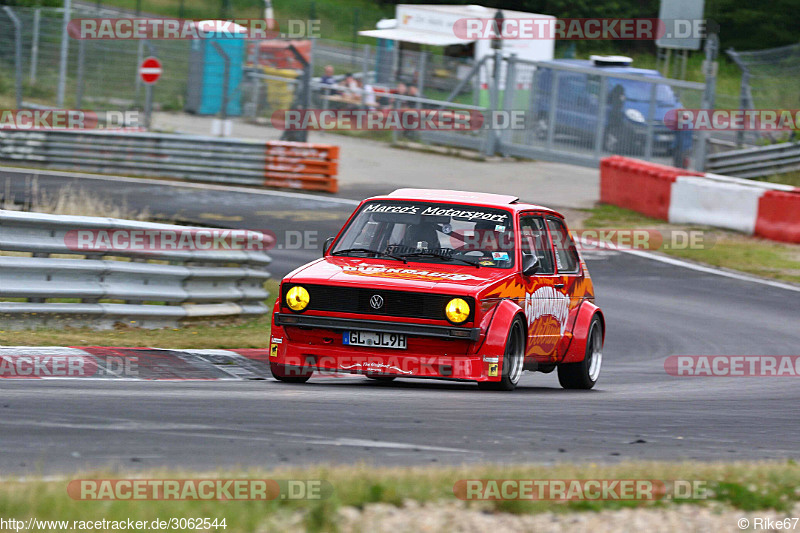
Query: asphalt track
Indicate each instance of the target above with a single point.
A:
(637, 411)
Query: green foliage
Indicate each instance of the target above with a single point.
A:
(743, 25)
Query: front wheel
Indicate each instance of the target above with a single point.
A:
(584, 374)
(513, 360)
(290, 374)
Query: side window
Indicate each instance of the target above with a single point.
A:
(566, 255)
(534, 242)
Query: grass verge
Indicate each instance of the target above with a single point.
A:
(739, 486)
(789, 178)
(725, 249)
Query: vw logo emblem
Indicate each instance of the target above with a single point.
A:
(376, 301)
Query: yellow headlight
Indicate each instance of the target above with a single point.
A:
(457, 310)
(297, 298)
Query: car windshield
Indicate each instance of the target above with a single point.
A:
(639, 91)
(430, 232)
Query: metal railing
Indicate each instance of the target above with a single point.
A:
(46, 280)
(756, 162)
(186, 157)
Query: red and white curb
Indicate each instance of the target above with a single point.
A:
(103, 362)
(766, 210)
(732, 203)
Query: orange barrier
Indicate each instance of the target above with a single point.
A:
(296, 165)
(639, 185)
(779, 216)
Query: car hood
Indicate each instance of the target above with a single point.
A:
(447, 278)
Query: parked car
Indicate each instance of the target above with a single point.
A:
(442, 284)
(627, 106)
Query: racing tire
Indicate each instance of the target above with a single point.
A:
(584, 374)
(290, 374)
(513, 360)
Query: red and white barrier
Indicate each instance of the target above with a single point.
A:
(686, 197)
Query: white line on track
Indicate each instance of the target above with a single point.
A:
(345, 441)
(693, 266)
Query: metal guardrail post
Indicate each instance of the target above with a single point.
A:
(504, 136)
(650, 122)
(709, 95)
(599, 132)
(80, 80)
(365, 66)
(17, 54)
(551, 115)
(423, 60)
(37, 14)
(490, 146)
(530, 119)
(62, 64)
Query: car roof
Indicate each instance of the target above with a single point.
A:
(586, 63)
(484, 199)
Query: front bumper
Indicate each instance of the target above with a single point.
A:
(440, 352)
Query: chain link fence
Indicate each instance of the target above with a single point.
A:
(769, 81)
(570, 110)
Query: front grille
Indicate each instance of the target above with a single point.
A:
(395, 303)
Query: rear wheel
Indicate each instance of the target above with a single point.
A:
(290, 374)
(584, 374)
(513, 360)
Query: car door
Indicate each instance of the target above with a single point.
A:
(543, 299)
(571, 284)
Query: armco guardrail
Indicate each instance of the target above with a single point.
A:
(768, 210)
(292, 165)
(756, 162)
(62, 280)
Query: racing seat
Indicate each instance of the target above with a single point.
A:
(423, 232)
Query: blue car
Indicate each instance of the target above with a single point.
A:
(627, 101)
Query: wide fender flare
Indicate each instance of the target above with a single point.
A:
(577, 348)
(497, 334)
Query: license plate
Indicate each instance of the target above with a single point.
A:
(664, 137)
(374, 340)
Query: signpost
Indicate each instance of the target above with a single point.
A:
(149, 71)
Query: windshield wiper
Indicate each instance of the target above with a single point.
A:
(368, 251)
(443, 256)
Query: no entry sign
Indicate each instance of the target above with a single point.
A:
(150, 70)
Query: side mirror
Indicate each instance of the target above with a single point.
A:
(327, 244)
(530, 265)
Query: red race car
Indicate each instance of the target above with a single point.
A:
(446, 285)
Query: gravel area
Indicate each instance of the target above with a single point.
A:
(456, 517)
